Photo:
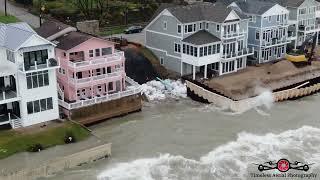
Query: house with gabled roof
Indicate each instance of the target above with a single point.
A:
(267, 28)
(28, 84)
(203, 38)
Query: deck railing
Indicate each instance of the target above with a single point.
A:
(118, 55)
(95, 78)
(241, 53)
(135, 88)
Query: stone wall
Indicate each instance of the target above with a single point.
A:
(59, 164)
(98, 112)
(90, 27)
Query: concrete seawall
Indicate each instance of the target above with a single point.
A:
(56, 165)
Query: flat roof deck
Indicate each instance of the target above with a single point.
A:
(249, 81)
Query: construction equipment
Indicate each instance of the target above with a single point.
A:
(303, 55)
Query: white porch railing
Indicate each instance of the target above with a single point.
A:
(233, 34)
(310, 28)
(135, 89)
(111, 58)
(241, 53)
(50, 63)
(95, 78)
(275, 42)
(4, 95)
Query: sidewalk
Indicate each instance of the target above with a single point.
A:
(20, 13)
(31, 160)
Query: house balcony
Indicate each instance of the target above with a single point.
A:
(242, 53)
(309, 29)
(233, 35)
(275, 42)
(7, 96)
(48, 64)
(200, 61)
(95, 80)
(132, 88)
(96, 63)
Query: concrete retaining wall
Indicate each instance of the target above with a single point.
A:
(59, 164)
(101, 111)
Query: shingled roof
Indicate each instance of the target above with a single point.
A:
(216, 12)
(71, 40)
(49, 28)
(289, 3)
(201, 37)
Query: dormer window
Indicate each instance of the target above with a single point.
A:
(218, 27)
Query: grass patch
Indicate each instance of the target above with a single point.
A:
(12, 142)
(8, 19)
(113, 30)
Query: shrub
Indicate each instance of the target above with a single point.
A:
(35, 147)
(69, 138)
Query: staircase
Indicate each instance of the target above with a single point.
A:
(15, 122)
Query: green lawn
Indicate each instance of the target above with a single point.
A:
(12, 142)
(111, 31)
(7, 19)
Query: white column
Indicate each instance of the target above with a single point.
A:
(205, 71)
(220, 68)
(193, 72)
(181, 68)
(317, 34)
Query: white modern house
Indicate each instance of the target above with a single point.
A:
(28, 84)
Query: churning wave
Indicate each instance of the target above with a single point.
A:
(234, 160)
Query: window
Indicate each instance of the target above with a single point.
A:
(269, 18)
(165, 25)
(184, 48)
(239, 63)
(97, 52)
(90, 53)
(191, 50)
(194, 27)
(201, 51)
(39, 105)
(179, 29)
(177, 48)
(195, 52)
(209, 50)
(110, 84)
(37, 79)
(255, 55)
(106, 51)
(218, 27)
(10, 56)
(190, 28)
(200, 25)
(218, 48)
(207, 26)
(213, 49)
(205, 50)
(161, 60)
(257, 35)
(33, 57)
(188, 49)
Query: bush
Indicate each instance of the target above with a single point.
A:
(35, 148)
(69, 138)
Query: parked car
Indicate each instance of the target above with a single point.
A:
(133, 29)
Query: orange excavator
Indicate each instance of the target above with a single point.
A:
(303, 56)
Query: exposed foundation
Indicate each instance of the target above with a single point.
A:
(106, 110)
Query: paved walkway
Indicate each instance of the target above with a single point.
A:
(20, 13)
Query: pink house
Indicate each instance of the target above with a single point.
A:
(90, 67)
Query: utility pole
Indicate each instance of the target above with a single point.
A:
(5, 7)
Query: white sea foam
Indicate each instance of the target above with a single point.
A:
(156, 90)
(234, 159)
